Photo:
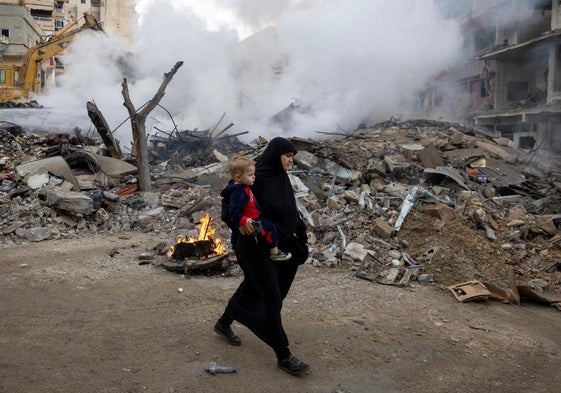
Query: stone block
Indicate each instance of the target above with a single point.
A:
(439, 210)
(382, 228)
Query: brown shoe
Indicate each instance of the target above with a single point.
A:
(227, 334)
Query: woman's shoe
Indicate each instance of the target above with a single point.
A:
(293, 366)
(227, 334)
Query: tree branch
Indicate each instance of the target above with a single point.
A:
(161, 91)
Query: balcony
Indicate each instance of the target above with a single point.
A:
(46, 24)
(43, 5)
(523, 50)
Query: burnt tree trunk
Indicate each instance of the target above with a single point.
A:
(103, 129)
(138, 125)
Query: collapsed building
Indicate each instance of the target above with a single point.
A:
(400, 202)
(397, 202)
(509, 82)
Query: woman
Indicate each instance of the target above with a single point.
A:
(257, 302)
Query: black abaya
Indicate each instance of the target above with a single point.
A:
(257, 302)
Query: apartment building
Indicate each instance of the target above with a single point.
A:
(509, 80)
(25, 23)
(19, 31)
(118, 17)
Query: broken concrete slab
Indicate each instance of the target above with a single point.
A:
(310, 161)
(70, 201)
(396, 162)
(430, 157)
(496, 150)
(55, 165)
(376, 165)
(355, 252)
(191, 173)
(433, 174)
(112, 166)
(38, 178)
(300, 189)
(464, 155)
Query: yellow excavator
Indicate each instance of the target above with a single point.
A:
(20, 80)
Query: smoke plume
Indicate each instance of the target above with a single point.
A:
(323, 64)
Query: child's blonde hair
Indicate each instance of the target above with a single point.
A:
(238, 164)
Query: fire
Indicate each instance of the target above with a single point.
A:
(205, 235)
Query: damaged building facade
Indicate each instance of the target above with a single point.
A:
(35, 25)
(117, 16)
(509, 82)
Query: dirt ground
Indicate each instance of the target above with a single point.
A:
(77, 319)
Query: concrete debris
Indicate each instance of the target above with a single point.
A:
(398, 203)
(70, 201)
(57, 166)
(434, 173)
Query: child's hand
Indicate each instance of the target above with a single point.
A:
(248, 228)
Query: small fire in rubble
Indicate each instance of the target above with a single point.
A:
(203, 246)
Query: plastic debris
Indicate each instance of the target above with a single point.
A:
(410, 261)
(214, 369)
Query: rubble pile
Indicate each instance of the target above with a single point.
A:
(189, 149)
(20, 104)
(398, 202)
(434, 200)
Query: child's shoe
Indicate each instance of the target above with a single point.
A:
(281, 256)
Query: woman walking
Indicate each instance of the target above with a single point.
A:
(257, 303)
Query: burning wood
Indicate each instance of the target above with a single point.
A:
(202, 247)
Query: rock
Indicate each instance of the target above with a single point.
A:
(439, 210)
(70, 201)
(382, 228)
(515, 223)
(546, 225)
(38, 234)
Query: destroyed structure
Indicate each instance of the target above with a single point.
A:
(397, 203)
(509, 83)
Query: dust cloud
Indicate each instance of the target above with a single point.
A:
(324, 64)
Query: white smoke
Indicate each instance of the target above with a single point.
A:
(341, 63)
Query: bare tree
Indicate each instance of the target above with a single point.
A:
(138, 124)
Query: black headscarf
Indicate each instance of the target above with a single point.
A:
(273, 190)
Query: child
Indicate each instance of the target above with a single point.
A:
(244, 207)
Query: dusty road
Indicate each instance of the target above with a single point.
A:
(75, 319)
